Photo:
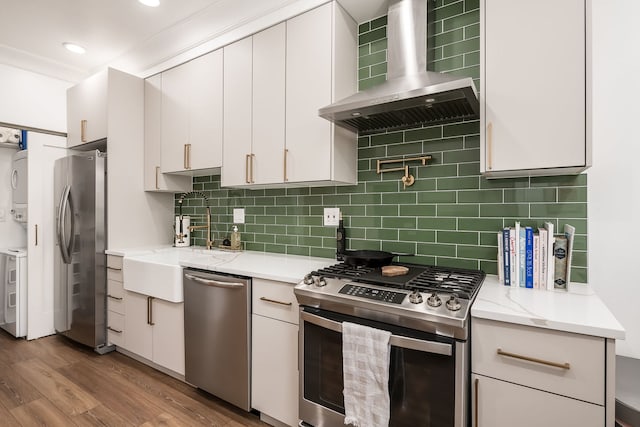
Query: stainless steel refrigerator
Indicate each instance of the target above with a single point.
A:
(80, 262)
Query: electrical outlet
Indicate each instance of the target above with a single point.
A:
(238, 216)
(331, 216)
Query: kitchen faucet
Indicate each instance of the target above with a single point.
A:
(209, 241)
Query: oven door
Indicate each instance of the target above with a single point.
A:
(427, 374)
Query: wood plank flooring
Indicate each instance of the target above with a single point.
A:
(55, 382)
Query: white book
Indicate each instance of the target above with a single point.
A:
(550, 260)
(517, 280)
(569, 232)
(512, 256)
(536, 261)
(500, 259)
(542, 232)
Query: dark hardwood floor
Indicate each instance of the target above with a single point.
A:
(55, 382)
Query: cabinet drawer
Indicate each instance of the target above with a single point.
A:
(114, 274)
(519, 354)
(114, 262)
(115, 296)
(115, 328)
(275, 300)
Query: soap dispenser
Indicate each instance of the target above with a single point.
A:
(235, 238)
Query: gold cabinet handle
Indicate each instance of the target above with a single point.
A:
(115, 298)
(476, 386)
(247, 159)
(157, 173)
(275, 301)
(286, 153)
(565, 365)
(253, 156)
(150, 311)
(83, 130)
(490, 146)
(114, 330)
(36, 233)
(187, 156)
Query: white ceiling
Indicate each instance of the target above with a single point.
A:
(127, 35)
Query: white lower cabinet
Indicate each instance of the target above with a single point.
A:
(155, 330)
(115, 301)
(274, 355)
(529, 376)
(501, 403)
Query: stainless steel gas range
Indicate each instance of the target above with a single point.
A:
(427, 311)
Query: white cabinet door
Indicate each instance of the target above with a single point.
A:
(205, 114)
(237, 113)
(87, 110)
(139, 333)
(503, 404)
(533, 91)
(168, 334)
(154, 179)
(176, 84)
(274, 365)
(269, 105)
(308, 88)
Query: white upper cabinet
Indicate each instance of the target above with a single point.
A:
(191, 140)
(87, 110)
(535, 90)
(154, 179)
(320, 69)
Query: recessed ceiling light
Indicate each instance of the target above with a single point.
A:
(74, 47)
(150, 3)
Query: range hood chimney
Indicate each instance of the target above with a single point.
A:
(411, 96)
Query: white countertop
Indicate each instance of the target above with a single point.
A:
(269, 266)
(577, 310)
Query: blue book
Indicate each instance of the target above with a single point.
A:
(522, 255)
(529, 257)
(507, 257)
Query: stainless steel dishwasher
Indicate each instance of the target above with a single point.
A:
(217, 334)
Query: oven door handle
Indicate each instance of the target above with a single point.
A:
(395, 340)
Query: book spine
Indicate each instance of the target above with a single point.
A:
(506, 255)
(522, 258)
(500, 258)
(550, 259)
(543, 257)
(528, 253)
(560, 261)
(513, 259)
(536, 261)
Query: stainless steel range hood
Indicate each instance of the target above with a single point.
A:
(411, 96)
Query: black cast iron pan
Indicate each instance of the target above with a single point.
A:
(369, 258)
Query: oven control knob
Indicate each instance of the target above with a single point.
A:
(453, 303)
(308, 279)
(321, 282)
(415, 297)
(434, 300)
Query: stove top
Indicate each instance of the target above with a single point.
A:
(429, 298)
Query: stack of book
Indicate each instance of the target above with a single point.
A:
(535, 259)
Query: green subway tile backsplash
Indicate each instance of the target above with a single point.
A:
(449, 217)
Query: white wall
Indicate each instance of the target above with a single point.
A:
(614, 179)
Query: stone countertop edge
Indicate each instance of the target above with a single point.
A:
(578, 310)
(258, 265)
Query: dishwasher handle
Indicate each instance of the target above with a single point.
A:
(215, 283)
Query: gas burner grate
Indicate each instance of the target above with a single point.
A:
(343, 271)
(438, 279)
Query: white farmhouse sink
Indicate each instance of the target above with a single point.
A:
(156, 274)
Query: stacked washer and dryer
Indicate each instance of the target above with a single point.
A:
(13, 261)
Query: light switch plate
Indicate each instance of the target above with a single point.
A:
(238, 215)
(331, 216)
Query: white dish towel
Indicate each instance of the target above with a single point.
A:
(365, 364)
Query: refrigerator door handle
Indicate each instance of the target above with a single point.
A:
(65, 204)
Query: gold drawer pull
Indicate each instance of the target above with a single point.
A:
(83, 130)
(275, 301)
(490, 145)
(534, 360)
(157, 171)
(115, 298)
(114, 330)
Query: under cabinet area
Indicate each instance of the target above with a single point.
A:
(274, 359)
(154, 178)
(530, 376)
(191, 116)
(535, 88)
